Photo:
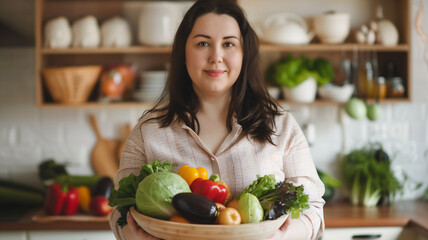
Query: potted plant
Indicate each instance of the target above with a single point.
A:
(299, 77)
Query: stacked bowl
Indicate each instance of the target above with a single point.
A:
(150, 86)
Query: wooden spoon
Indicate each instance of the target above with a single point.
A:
(104, 153)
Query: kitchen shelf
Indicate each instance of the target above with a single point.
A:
(125, 50)
(263, 48)
(156, 57)
(317, 102)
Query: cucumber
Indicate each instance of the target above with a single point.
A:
(15, 196)
(78, 180)
(20, 186)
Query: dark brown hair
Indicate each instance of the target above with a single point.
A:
(250, 102)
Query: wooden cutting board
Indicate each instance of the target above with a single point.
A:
(104, 157)
(41, 216)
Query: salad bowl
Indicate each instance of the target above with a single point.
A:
(188, 231)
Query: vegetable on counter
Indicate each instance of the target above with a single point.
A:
(210, 188)
(330, 184)
(260, 186)
(52, 172)
(103, 187)
(124, 197)
(61, 200)
(99, 206)
(368, 173)
(190, 174)
(84, 198)
(18, 194)
(49, 170)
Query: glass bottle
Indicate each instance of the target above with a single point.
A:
(396, 88)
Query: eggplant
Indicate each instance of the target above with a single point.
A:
(103, 187)
(195, 207)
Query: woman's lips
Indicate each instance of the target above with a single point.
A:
(214, 73)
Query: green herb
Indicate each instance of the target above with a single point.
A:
(124, 197)
(369, 176)
(286, 198)
(260, 186)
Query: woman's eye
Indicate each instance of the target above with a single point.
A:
(229, 44)
(203, 44)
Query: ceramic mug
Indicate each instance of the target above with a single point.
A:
(158, 22)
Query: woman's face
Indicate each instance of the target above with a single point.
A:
(214, 54)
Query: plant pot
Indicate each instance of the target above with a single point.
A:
(304, 92)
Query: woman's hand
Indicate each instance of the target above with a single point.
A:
(133, 231)
(287, 232)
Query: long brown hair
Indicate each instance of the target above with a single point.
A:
(250, 102)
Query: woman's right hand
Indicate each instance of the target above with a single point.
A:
(133, 231)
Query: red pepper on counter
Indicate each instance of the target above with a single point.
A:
(61, 200)
(210, 188)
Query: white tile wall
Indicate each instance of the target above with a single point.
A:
(28, 134)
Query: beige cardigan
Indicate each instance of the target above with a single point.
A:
(238, 161)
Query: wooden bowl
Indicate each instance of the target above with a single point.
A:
(186, 231)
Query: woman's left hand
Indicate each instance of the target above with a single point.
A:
(280, 232)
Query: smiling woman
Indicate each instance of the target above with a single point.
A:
(214, 55)
(215, 113)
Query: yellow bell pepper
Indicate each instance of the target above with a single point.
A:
(84, 198)
(189, 173)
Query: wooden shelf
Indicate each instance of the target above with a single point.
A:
(126, 50)
(155, 57)
(150, 104)
(263, 48)
(333, 48)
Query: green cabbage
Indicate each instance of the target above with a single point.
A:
(155, 193)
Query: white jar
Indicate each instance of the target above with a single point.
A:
(58, 33)
(158, 22)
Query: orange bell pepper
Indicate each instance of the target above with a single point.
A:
(189, 173)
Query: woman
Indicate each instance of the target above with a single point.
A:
(216, 114)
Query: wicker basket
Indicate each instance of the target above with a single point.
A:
(71, 85)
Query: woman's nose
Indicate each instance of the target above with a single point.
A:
(216, 56)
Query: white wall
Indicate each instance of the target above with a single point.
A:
(29, 134)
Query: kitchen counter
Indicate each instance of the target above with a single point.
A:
(406, 213)
(338, 215)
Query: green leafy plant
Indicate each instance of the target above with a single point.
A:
(290, 71)
(367, 172)
(286, 198)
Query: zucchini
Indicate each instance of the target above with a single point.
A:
(20, 186)
(78, 180)
(15, 196)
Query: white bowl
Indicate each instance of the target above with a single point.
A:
(336, 93)
(186, 231)
(305, 92)
(332, 28)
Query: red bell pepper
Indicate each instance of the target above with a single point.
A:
(209, 189)
(61, 200)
